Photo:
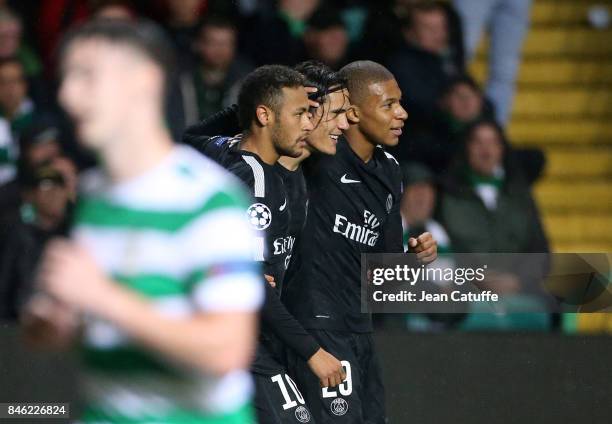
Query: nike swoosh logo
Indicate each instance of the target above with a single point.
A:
(282, 208)
(347, 180)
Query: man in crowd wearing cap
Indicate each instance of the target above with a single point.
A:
(46, 200)
(418, 204)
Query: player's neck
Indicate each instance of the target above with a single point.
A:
(259, 144)
(359, 143)
(136, 150)
(292, 164)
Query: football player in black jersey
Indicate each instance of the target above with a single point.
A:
(278, 399)
(329, 120)
(353, 209)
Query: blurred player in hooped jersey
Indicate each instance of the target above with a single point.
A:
(159, 273)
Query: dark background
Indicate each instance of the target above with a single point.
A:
(430, 378)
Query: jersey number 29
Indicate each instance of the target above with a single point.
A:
(346, 388)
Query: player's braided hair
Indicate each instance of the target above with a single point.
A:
(264, 86)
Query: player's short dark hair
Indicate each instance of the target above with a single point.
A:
(321, 76)
(264, 86)
(360, 75)
(142, 35)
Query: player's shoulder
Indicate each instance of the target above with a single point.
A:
(256, 174)
(389, 163)
(184, 182)
(198, 180)
(191, 168)
(246, 169)
(386, 157)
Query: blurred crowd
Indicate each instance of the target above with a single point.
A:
(463, 179)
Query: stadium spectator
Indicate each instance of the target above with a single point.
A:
(422, 65)
(212, 84)
(462, 104)
(327, 39)
(46, 198)
(53, 18)
(436, 145)
(16, 107)
(507, 22)
(276, 37)
(182, 21)
(37, 146)
(486, 206)
(382, 32)
(13, 45)
(418, 205)
(417, 208)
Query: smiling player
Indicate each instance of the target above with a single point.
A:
(353, 209)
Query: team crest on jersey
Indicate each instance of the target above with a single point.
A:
(260, 216)
(302, 414)
(389, 203)
(339, 407)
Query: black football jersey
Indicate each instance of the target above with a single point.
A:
(295, 187)
(269, 213)
(279, 329)
(353, 208)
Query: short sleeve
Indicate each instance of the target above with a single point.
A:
(218, 246)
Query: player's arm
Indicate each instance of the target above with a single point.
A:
(205, 136)
(424, 245)
(214, 342)
(225, 290)
(224, 122)
(324, 365)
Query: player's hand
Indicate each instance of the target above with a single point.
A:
(69, 273)
(327, 368)
(424, 246)
(270, 280)
(47, 323)
(311, 90)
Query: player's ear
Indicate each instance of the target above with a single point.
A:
(264, 115)
(352, 114)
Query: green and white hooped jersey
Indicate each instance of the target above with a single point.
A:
(179, 236)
